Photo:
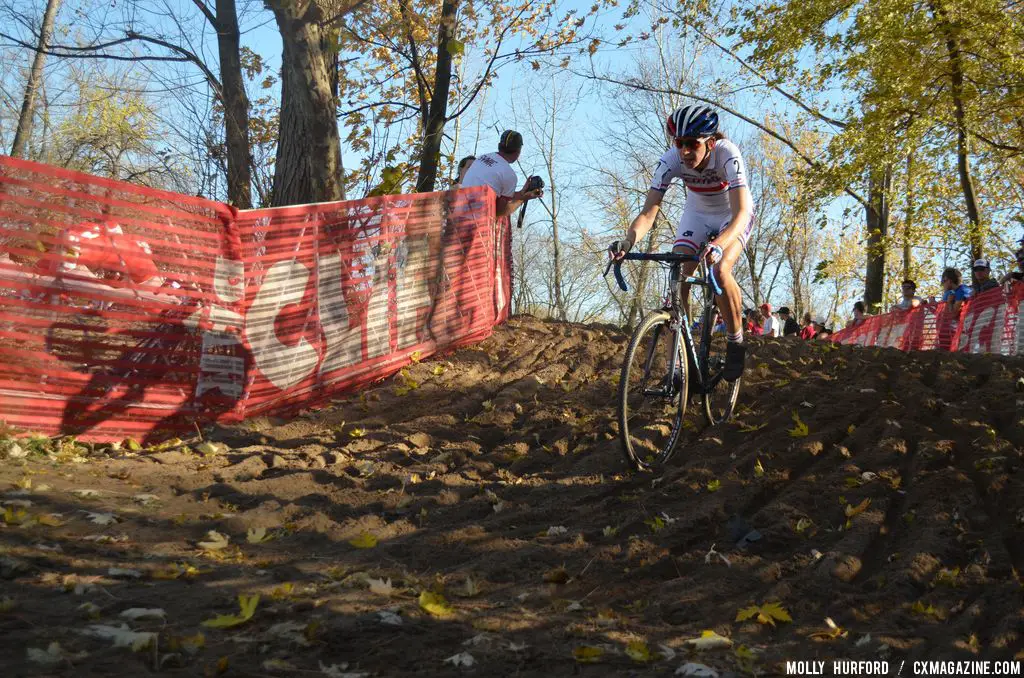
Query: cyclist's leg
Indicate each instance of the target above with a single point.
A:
(730, 303)
(690, 235)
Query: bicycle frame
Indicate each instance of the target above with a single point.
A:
(680, 317)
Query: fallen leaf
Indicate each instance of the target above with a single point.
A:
(357, 433)
(278, 665)
(215, 541)
(145, 499)
(708, 640)
(638, 651)
(696, 670)
(609, 531)
(101, 518)
(758, 469)
(86, 493)
(559, 575)
(90, 610)
(364, 541)
(54, 654)
(124, 572)
(381, 587)
(586, 654)
(247, 608)
(464, 659)
(852, 511)
(800, 430)
(389, 618)
(768, 613)
(142, 613)
(556, 530)
(339, 671)
(49, 519)
(258, 535)
(435, 604)
(666, 652)
(714, 485)
(122, 636)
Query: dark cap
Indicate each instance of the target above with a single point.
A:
(510, 141)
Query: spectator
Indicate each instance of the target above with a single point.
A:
(463, 168)
(789, 324)
(859, 313)
(981, 272)
(954, 292)
(748, 321)
(771, 324)
(756, 322)
(910, 300)
(807, 332)
(495, 170)
(825, 334)
(1018, 275)
(820, 329)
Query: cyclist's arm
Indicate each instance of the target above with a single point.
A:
(645, 220)
(742, 209)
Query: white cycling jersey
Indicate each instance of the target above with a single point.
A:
(707, 190)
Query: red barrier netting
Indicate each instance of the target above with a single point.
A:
(125, 310)
(988, 323)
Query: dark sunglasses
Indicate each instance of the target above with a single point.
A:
(688, 143)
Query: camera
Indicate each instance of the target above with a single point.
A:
(533, 183)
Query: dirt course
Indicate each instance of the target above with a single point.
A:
(474, 516)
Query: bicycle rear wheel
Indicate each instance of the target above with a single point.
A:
(652, 400)
(719, 395)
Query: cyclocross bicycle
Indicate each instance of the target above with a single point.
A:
(658, 376)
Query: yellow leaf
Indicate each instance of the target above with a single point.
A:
(435, 604)
(708, 640)
(714, 485)
(416, 356)
(215, 541)
(800, 430)
(258, 535)
(439, 370)
(768, 613)
(638, 651)
(14, 517)
(750, 429)
(656, 523)
(852, 510)
(49, 520)
(247, 608)
(803, 524)
(357, 433)
(586, 654)
(364, 541)
(758, 469)
(850, 429)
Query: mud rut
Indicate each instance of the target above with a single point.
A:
(461, 468)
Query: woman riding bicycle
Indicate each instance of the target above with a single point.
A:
(718, 216)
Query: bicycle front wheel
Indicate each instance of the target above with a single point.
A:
(652, 395)
(719, 395)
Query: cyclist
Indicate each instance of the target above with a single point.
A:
(718, 216)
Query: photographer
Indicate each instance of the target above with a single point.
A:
(495, 170)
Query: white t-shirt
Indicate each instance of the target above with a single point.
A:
(490, 169)
(707, 190)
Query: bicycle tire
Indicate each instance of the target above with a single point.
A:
(652, 402)
(719, 395)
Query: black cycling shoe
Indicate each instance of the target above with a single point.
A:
(735, 355)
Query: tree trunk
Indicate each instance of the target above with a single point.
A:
(431, 153)
(236, 106)
(308, 168)
(28, 106)
(877, 217)
(908, 223)
(975, 235)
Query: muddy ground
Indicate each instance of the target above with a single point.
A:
(493, 477)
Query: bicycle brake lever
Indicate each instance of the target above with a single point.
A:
(714, 282)
(618, 273)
